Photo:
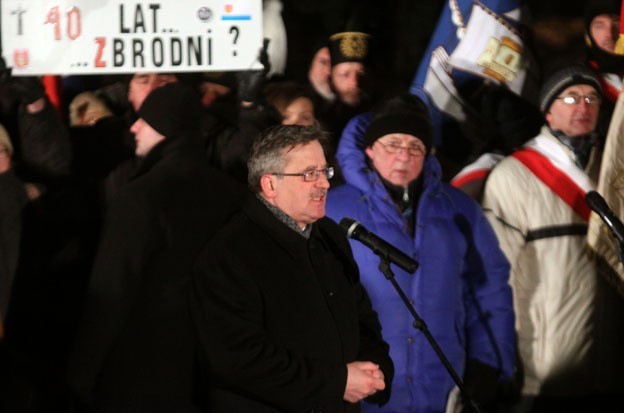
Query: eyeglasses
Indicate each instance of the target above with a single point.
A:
(311, 176)
(574, 99)
(412, 150)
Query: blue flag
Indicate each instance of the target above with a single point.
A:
(474, 43)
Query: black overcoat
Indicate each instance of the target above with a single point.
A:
(279, 316)
(135, 349)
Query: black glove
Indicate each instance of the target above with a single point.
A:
(250, 82)
(515, 119)
(27, 88)
(481, 384)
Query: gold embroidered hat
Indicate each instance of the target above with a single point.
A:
(349, 47)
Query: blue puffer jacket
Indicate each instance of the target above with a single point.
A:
(460, 289)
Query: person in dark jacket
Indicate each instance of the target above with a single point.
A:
(283, 321)
(12, 201)
(135, 350)
(42, 250)
(460, 289)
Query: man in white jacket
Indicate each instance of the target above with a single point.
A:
(566, 316)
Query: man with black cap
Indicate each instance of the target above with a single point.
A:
(534, 199)
(394, 189)
(349, 56)
(134, 351)
(349, 52)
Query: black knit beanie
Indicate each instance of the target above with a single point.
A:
(173, 110)
(400, 114)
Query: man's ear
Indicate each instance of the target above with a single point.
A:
(268, 188)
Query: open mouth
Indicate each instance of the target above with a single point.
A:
(320, 197)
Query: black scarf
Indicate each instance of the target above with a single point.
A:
(406, 199)
(581, 145)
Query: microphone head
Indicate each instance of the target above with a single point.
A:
(349, 225)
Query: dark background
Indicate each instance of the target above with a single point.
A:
(402, 29)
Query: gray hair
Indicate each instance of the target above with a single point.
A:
(269, 149)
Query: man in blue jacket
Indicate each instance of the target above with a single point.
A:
(394, 188)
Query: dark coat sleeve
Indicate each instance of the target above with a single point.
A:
(44, 143)
(12, 200)
(372, 345)
(130, 237)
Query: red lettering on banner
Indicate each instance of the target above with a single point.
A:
(74, 26)
(54, 17)
(101, 41)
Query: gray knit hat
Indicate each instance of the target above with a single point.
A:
(571, 75)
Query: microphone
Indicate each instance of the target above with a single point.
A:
(597, 203)
(356, 231)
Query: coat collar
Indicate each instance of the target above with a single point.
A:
(162, 150)
(294, 244)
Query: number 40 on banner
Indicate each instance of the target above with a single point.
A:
(71, 20)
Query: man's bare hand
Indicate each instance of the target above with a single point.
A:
(363, 379)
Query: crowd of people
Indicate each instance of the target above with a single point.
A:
(170, 241)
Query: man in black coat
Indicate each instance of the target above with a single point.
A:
(135, 349)
(283, 321)
(12, 201)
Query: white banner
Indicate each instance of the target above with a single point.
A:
(120, 36)
(490, 49)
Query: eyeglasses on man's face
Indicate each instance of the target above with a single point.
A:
(312, 175)
(575, 99)
(395, 147)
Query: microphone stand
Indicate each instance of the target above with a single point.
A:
(620, 250)
(419, 323)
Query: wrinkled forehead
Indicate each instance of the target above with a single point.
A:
(310, 155)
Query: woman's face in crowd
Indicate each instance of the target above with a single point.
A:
(299, 112)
